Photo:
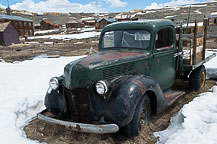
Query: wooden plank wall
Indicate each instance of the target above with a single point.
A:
(195, 48)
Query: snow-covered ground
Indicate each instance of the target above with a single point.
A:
(214, 13)
(23, 86)
(45, 31)
(196, 122)
(170, 16)
(22, 89)
(68, 36)
(192, 24)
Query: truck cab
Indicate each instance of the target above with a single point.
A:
(155, 38)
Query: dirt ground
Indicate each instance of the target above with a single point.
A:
(21, 52)
(43, 132)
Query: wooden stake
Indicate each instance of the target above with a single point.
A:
(195, 42)
(205, 24)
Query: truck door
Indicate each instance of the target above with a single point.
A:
(163, 60)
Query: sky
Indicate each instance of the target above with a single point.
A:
(89, 6)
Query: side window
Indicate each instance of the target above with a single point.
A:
(164, 39)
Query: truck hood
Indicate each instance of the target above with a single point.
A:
(106, 58)
(82, 72)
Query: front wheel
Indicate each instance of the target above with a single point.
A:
(197, 78)
(141, 117)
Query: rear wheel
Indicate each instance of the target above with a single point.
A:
(141, 117)
(197, 78)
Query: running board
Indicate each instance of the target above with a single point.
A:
(172, 96)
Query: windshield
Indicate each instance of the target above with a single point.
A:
(126, 39)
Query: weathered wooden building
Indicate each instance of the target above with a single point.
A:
(37, 26)
(123, 17)
(89, 22)
(101, 23)
(8, 10)
(47, 25)
(212, 19)
(74, 24)
(23, 26)
(8, 34)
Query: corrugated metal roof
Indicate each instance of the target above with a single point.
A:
(210, 16)
(9, 17)
(3, 26)
(108, 19)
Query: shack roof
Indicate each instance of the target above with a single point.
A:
(49, 22)
(3, 26)
(108, 19)
(143, 24)
(210, 16)
(17, 18)
(74, 21)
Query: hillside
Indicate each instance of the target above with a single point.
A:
(178, 13)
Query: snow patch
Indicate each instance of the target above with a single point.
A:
(211, 66)
(48, 43)
(88, 29)
(204, 5)
(193, 24)
(170, 16)
(46, 31)
(32, 43)
(23, 87)
(78, 43)
(195, 123)
(68, 36)
(197, 11)
(214, 13)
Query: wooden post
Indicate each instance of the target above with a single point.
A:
(195, 43)
(205, 24)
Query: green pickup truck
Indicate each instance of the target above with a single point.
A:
(128, 80)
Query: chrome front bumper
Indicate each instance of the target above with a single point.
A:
(80, 127)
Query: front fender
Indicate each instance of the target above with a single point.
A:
(125, 95)
(55, 101)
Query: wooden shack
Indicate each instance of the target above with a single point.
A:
(212, 19)
(47, 25)
(37, 26)
(8, 34)
(23, 26)
(101, 23)
(74, 24)
(89, 22)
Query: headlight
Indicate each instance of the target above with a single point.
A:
(101, 87)
(54, 83)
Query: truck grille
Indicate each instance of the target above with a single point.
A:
(117, 70)
(78, 106)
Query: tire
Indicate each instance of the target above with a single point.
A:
(197, 78)
(142, 115)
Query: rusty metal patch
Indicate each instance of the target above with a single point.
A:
(108, 56)
(141, 85)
